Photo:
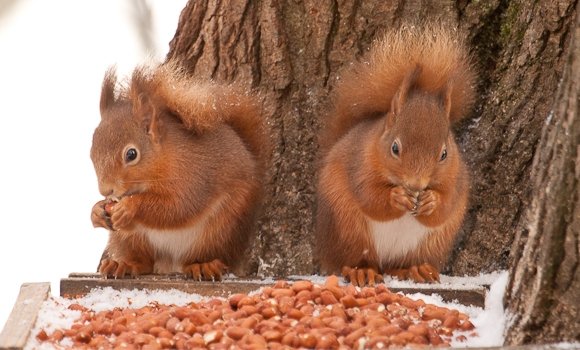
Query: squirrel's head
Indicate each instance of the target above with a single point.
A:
(127, 140)
(417, 141)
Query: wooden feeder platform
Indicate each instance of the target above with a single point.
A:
(21, 321)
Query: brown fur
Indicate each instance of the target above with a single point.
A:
(409, 88)
(203, 153)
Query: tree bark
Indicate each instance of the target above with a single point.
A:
(544, 290)
(529, 42)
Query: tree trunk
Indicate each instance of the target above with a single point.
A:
(544, 291)
(523, 48)
(292, 51)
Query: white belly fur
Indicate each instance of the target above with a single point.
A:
(394, 239)
(172, 246)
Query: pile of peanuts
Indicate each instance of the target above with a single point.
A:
(286, 315)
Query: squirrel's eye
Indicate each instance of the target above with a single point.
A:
(130, 155)
(395, 149)
(443, 155)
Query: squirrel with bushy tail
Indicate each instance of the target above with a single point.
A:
(392, 186)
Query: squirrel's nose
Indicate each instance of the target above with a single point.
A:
(417, 185)
(105, 189)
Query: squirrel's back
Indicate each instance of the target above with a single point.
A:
(366, 89)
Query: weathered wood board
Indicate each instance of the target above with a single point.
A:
(23, 315)
(78, 284)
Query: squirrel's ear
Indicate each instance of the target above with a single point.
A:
(144, 107)
(146, 111)
(108, 90)
(446, 98)
(400, 96)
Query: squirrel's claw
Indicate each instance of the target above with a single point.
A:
(424, 273)
(400, 199)
(99, 216)
(209, 271)
(122, 215)
(428, 202)
(120, 269)
(429, 272)
(361, 276)
(112, 268)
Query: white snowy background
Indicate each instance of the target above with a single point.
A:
(52, 58)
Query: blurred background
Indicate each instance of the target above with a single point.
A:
(53, 55)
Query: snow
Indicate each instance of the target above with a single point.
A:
(54, 55)
(455, 282)
(489, 321)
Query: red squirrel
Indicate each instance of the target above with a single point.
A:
(393, 188)
(180, 163)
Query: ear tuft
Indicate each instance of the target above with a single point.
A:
(144, 108)
(108, 90)
(446, 98)
(402, 93)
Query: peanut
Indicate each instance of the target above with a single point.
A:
(348, 301)
(277, 293)
(451, 321)
(419, 329)
(236, 333)
(328, 298)
(466, 325)
(235, 299)
(307, 340)
(300, 286)
(290, 339)
(331, 281)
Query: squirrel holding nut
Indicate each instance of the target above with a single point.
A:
(393, 188)
(180, 163)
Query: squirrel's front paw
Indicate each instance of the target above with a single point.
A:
(99, 216)
(428, 201)
(361, 276)
(210, 271)
(122, 214)
(402, 200)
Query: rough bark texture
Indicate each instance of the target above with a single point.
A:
(544, 291)
(292, 51)
(521, 47)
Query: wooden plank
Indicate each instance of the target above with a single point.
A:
(81, 284)
(78, 284)
(23, 316)
(473, 296)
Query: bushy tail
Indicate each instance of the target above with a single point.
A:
(204, 105)
(367, 88)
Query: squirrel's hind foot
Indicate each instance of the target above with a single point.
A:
(361, 276)
(208, 271)
(424, 273)
(120, 269)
